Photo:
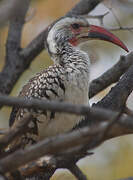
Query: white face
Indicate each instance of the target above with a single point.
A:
(62, 27)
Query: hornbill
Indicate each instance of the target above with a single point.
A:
(66, 81)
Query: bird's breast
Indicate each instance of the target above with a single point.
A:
(76, 92)
(77, 88)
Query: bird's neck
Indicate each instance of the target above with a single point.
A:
(69, 55)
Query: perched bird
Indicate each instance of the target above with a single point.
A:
(67, 80)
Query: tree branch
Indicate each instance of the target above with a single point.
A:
(112, 75)
(118, 95)
(84, 7)
(14, 65)
(9, 10)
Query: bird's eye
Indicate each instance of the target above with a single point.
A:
(75, 26)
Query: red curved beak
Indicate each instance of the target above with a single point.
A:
(96, 32)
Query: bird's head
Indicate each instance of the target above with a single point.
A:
(75, 30)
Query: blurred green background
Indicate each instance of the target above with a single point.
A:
(113, 159)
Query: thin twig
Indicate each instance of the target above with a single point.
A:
(120, 28)
(116, 18)
(44, 105)
(111, 123)
(74, 169)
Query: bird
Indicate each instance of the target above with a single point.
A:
(67, 80)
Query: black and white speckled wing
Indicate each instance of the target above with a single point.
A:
(49, 84)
